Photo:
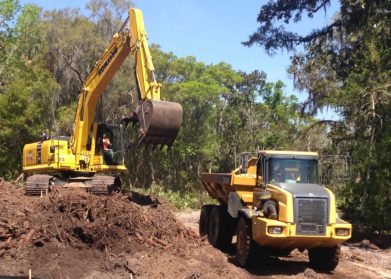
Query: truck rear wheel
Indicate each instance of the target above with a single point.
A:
(324, 258)
(246, 248)
(219, 228)
(204, 219)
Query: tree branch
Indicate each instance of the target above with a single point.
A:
(69, 64)
(8, 59)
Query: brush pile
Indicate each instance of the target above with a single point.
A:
(74, 220)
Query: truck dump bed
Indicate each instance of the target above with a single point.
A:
(218, 185)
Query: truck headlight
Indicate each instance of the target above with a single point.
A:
(342, 232)
(274, 230)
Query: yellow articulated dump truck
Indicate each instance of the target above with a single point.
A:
(274, 203)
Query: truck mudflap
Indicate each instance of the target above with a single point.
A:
(285, 236)
(159, 122)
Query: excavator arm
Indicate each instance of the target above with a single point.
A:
(158, 121)
(148, 87)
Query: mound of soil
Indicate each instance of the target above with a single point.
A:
(60, 231)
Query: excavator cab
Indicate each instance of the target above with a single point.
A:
(113, 153)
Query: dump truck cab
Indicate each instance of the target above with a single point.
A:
(274, 203)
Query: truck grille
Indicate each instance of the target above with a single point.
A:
(311, 216)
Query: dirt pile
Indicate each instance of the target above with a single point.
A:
(72, 234)
(72, 224)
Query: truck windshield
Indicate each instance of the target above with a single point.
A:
(293, 170)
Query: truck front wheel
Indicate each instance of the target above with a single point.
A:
(245, 247)
(324, 258)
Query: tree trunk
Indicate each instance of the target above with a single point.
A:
(370, 154)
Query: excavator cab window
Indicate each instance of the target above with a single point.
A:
(89, 140)
(110, 144)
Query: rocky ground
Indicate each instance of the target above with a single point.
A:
(72, 234)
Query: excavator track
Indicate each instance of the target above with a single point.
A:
(39, 184)
(105, 185)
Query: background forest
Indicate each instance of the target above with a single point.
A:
(45, 55)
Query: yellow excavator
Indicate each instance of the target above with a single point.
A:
(98, 148)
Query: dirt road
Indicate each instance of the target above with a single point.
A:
(72, 234)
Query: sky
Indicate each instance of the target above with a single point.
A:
(213, 32)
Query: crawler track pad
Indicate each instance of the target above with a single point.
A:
(105, 185)
(38, 184)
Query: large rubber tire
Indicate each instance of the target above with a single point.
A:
(324, 258)
(220, 231)
(204, 219)
(246, 248)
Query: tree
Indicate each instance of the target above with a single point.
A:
(27, 87)
(23, 116)
(8, 10)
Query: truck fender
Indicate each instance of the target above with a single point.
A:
(234, 204)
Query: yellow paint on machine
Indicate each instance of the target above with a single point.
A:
(219, 185)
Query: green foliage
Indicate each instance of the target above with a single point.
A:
(8, 10)
(181, 200)
(25, 106)
(29, 32)
(27, 87)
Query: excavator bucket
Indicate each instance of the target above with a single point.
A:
(159, 121)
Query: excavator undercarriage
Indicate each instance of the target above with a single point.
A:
(42, 184)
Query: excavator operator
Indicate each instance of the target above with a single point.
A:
(107, 151)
